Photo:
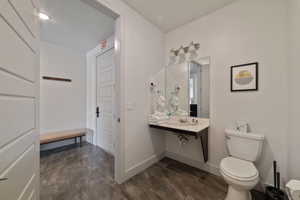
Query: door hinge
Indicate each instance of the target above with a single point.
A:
(97, 111)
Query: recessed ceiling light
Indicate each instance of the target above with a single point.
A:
(43, 16)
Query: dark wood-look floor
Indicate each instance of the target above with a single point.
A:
(86, 173)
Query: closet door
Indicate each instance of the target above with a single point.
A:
(19, 86)
(106, 101)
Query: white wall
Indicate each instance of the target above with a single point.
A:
(294, 106)
(142, 57)
(62, 104)
(245, 31)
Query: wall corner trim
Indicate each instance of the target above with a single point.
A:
(138, 168)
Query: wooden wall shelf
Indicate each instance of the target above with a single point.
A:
(56, 79)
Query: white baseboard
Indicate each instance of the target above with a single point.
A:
(138, 168)
(194, 163)
(208, 167)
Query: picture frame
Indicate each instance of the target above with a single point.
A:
(244, 77)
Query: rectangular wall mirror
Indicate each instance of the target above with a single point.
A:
(199, 88)
(187, 88)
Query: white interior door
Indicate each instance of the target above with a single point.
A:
(106, 101)
(19, 69)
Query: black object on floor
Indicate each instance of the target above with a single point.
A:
(273, 193)
(256, 195)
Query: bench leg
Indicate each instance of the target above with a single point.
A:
(80, 141)
(75, 140)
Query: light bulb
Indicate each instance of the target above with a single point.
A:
(43, 16)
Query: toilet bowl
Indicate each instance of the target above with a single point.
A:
(238, 169)
(241, 176)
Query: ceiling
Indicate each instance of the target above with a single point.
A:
(170, 14)
(67, 28)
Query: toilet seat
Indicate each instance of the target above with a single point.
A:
(238, 169)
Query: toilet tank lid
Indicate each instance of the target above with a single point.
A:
(236, 133)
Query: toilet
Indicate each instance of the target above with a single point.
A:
(238, 170)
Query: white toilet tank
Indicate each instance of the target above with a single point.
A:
(245, 146)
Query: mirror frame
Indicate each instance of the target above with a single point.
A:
(200, 62)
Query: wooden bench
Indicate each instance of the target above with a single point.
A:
(64, 135)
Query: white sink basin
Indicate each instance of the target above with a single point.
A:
(183, 121)
(189, 125)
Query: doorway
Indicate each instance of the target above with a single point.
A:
(112, 45)
(90, 98)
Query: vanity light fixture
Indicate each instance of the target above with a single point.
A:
(183, 54)
(43, 16)
(192, 47)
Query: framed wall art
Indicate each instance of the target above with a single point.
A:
(244, 77)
